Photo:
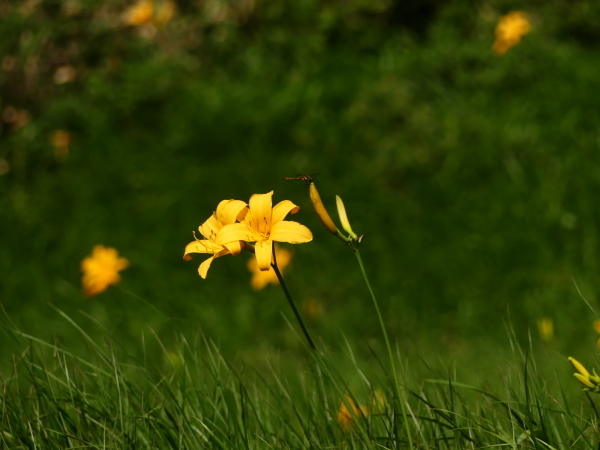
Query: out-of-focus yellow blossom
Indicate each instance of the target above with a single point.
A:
(345, 416)
(261, 278)
(509, 31)
(264, 224)
(147, 12)
(139, 14)
(101, 270)
(61, 141)
(228, 211)
(546, 328)
(591, 381)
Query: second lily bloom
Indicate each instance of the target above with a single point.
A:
(235, 225)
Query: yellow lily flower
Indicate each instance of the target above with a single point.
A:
(260, 278)
(101, 270)
(228, 211)
(264, 224)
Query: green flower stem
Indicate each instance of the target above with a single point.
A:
(399, 392)
(290, 301)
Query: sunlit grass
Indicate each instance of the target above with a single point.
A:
(194, 397)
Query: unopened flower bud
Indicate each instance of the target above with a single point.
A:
(315, 198)
(589, 380)
(344, 218)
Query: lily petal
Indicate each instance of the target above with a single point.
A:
(264, 253)
(236, 232)
(292, 232)
(203, 269)
(229, 210)
(210, 227)
(203, 246)
(282, 209)
(260, 211)
(234, 248)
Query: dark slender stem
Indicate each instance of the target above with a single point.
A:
(290, 301)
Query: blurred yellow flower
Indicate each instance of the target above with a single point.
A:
(61, 141)
(345, 416)
(101, 270)
(509, 31)
(261, 278)
(264, 224)
(546, 328)
(228, 211)
(139, 14)
(597, 326)
(145, 12)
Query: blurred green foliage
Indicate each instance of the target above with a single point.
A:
(474, 177)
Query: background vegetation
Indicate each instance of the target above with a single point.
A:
(474, 177)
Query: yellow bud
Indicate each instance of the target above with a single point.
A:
(320, 209)
(344, 217)
(579, 367)
(584, 380)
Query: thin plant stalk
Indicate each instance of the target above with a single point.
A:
(291, 301)
(399, 392)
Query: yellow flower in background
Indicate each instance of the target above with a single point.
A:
(228, 211)
(345, 417)
(101, 270)
(264, 224)
(146, 12)
(61, 141)
(261, 278)
(139, 14)
(546, 328)
(509, 31)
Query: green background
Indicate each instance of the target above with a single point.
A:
(474, 177)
